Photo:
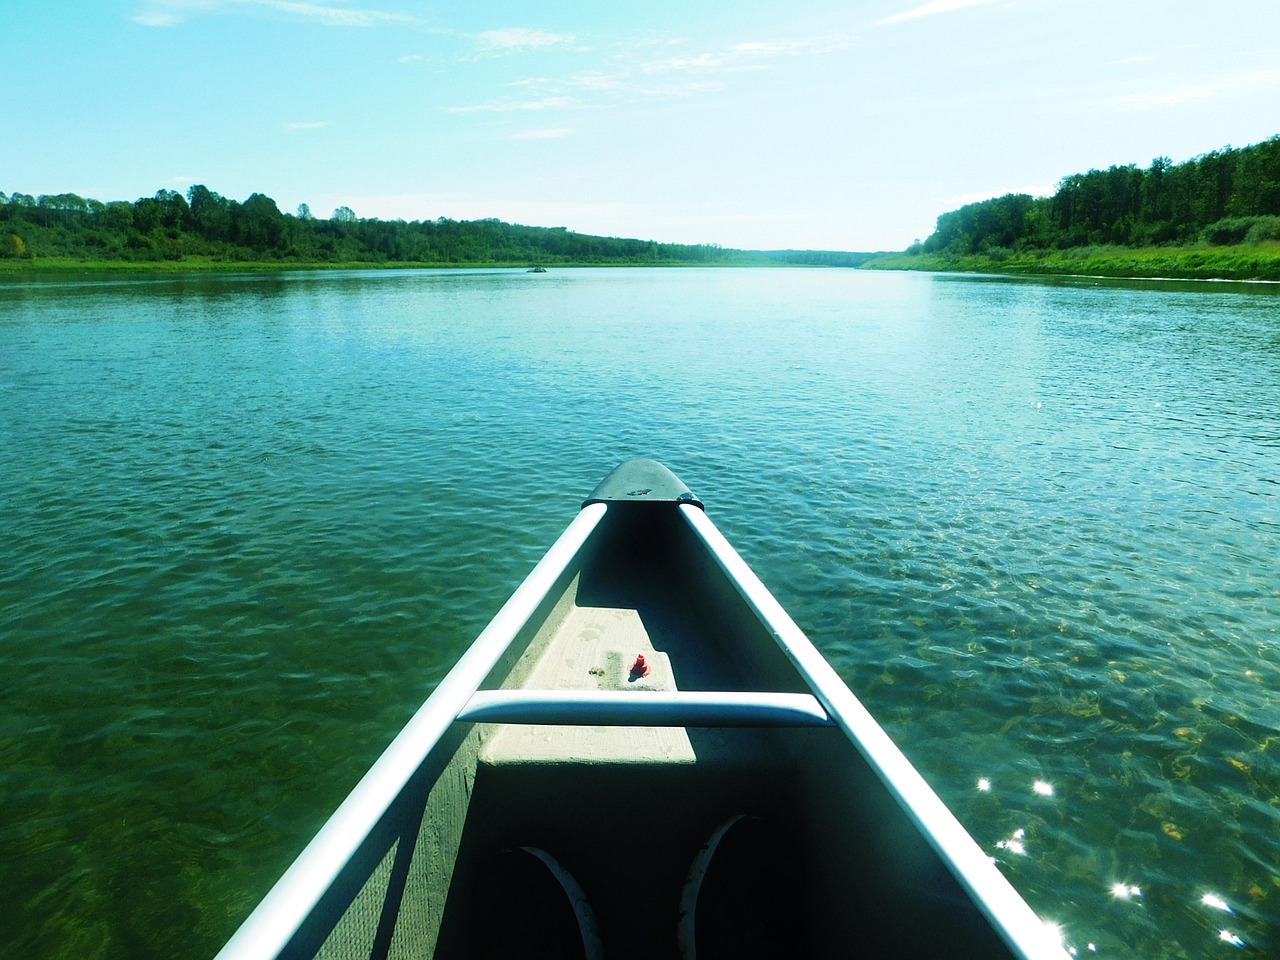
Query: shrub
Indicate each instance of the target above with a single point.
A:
(13, 246)
(1231, 230)
(1264, 228)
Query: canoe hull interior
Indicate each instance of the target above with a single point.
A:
(851, 865)
(626, 809)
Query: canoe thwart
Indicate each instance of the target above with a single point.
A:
(674, 708)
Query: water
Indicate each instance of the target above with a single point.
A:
(251, 520)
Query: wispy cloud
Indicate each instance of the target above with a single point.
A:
(625, 84)
(330, 15)
(929, 9)
(594, 81)
(518, 39)
(718, 60)
(1204, 91)
(640, 70)
(553, 133)
(791, 48)
(752, 55)
(590, 80)
(510, 105)
(168, 13)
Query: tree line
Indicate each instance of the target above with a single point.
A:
(203, 224)
(1228, 196)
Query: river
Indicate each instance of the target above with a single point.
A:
(250, 520)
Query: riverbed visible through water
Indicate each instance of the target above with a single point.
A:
(250, 520)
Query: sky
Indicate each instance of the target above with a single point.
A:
(828, 124)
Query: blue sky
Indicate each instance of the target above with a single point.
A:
(836, 125)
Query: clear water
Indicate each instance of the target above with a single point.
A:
(249, 521)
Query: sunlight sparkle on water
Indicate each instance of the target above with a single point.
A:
(1230, 938)
(1124, 891)
(1215, 901)
(984, 784)
(1014, 844)
(1043, 788)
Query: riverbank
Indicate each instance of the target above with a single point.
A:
(63, 266)
(1255, 261)
(1243, 262)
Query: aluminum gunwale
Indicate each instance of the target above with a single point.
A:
(276, 919)
(1016, 922)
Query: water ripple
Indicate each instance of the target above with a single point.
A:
(252, 520)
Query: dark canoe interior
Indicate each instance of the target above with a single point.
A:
(626, 810)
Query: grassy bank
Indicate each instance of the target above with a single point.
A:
(63, 266)
(1254, 261)
(68, 265)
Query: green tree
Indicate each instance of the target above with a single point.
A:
(259, 224)
(117, 217)
(210, 213)
(175, 212)
(13, 246)
(167, 212)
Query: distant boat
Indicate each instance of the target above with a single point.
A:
(537, 269)
(642, 756)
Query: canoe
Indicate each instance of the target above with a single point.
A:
(642, 755)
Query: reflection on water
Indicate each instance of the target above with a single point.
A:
(1077, 939)
(250, 521)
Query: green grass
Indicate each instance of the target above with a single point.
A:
(1254, 261)
(64, 265)
(1257, 261)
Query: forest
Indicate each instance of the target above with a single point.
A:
(203, 226)
(1226, 197)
